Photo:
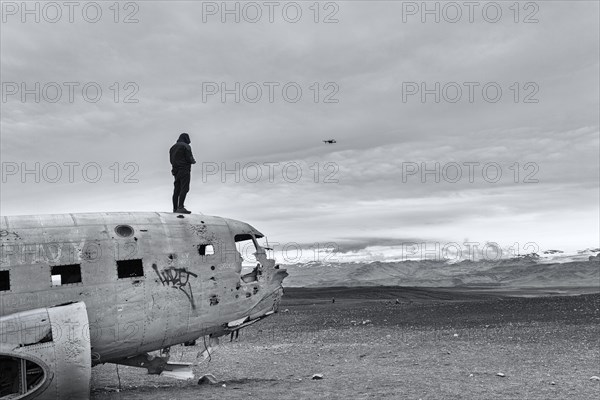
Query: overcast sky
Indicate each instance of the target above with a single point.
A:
(490, 89)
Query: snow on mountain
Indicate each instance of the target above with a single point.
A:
(525, 271)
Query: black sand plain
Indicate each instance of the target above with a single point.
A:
(396, 343)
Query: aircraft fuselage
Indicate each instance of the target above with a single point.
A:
(148, 280)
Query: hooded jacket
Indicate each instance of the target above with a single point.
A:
(181, 154)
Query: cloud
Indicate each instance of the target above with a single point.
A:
(365, 186)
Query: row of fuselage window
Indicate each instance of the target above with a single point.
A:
(71, 273)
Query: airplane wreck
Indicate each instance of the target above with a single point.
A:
(78, 290)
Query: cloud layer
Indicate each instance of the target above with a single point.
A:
(460, 161)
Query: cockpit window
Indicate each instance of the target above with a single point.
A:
(250, 253)
(246, 247)
(264, 243)
(242, 237)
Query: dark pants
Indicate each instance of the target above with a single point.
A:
(181, 187)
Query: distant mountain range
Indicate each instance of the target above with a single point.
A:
(520, 272)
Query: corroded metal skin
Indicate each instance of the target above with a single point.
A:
(147, 280)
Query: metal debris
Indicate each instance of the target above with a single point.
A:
(207, 379)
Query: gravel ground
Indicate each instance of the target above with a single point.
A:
(422, 348)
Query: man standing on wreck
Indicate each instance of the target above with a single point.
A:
(181, 163)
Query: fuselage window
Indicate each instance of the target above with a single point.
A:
(130, 268)
(206, 249)
(65, 274)
(4, 280)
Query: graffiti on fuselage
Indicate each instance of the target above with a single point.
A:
(177, 278)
